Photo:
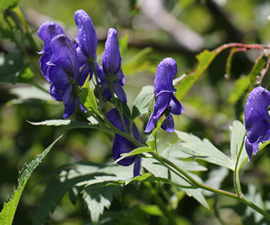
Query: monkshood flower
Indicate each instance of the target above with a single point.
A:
(87, 44)
(110, 73)
(47, 32)
(257, 119)
(121, 144)
(165, 101)
(63, 73)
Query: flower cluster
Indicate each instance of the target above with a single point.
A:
(165, 101)
(66, 66)
(257, 119)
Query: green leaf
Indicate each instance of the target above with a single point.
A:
(98, 196)
(203, 149)
(29, 93)
(124, 108)
(79, 175)
(257, 68)
(87, 98)
(241, 85)
(175, 154)
(54, 193)
(229, 62)
(151, 210)
(101, 172)
(139, 62)
(163, 175)
(215, 178)
(237, 137)
(142, 101)
(148, 177)
(5, 4)
(10, 66)
(69, 123)
(73, 194)
(204, 60)
(255, 197)
(152, 138)
(9, 209)
(123, 44)
(25, 74)
(134, 152)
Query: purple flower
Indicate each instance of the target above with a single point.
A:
(47, 32)
(87, 44)
(121, 144)
(165, 101)
(110, 73)
(61, 73)
(257, 119)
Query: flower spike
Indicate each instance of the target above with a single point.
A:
(257, 119)
(110, 72)
(87, 44)
(165, 102)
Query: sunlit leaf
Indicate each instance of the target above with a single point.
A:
(241, 85)
(204, 60)
(9, 209)
(69, 123)
(138, 62)
(29, 93)
(123, 44)
(54, 193)
(255, 197)
(152, 137)
(257, 68)
(142, 101)
(25, 75)
(134, 152)
(87, 98)
(203, 149)
(215, 178)
(237, 141)
(99, 196)
(229, 62)
(5, 4)
(160, 171)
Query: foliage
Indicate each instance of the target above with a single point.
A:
(8, 212)
(205, 158)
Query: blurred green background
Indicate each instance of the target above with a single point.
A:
(155, 30)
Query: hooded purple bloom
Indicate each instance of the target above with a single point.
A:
(61, 71)
(47, 32)
(165, 101)
(257, 119)
(87, 44)
(110, 72)
(122, 145)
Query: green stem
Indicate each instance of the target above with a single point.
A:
(117, 107)
(240, 197)
(236, 179)
(160, 203)
(130, 128)
(126, 135)
(39, 87)
(18, 17)
(159, 158)
(244, 200)
(92, 62)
